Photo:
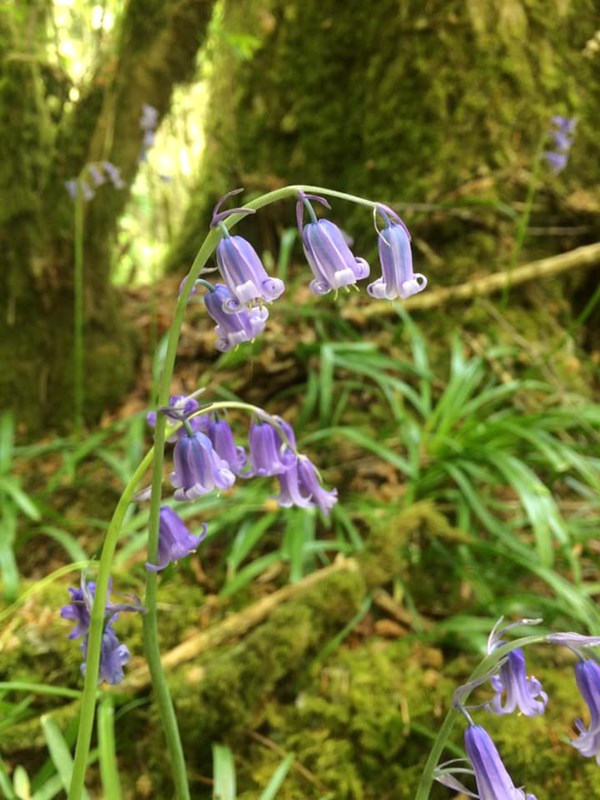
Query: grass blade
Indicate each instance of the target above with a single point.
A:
(109, 771)
(60, 752)
(224, 786)
(278, 778)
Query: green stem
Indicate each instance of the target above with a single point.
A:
(78, 351)
(485, 668)
(152, 648)
(90, 688)
(523, 223)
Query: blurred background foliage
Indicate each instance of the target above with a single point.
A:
(437, 108)
(463, 439)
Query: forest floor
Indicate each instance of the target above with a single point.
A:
(346, 653)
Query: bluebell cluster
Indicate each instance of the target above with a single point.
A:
(92, 177)
(113, 654)
(562, 135)
(239, 304)
(515, 691)
(206, 457)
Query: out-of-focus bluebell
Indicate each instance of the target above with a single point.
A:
(174, 539)
(587, 675)
(562, 134)
(113, 654)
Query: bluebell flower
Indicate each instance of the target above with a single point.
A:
(395, 254)
(113, 657)
(327, 252)
(491, 776)
(515, 690)
(562, 134)
(71, 187)
(575, 641)
(78, 610)
(76, 185)
(267, 455)
(587, 675)
(174, 539)
(221, 436)
(244, 274)
(556, 161)
(198, 469)
(236, 327)
(114, 174)
(96, 174)
(149, 117)
(240, 266)
(300, 486)
(512, 686)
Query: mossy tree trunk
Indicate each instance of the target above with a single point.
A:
(48, 140)
(414, 102)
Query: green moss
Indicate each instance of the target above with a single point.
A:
(442, 102)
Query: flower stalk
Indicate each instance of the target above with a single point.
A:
(156, 457)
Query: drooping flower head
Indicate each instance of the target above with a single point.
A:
(148, 123)
(587, 675)
(515, 690)
(114, 174)
(512, 686)
(300, 486)
(235, 327)
(491, 776)
(327, 252)
(395, 254)
(267, 455)
(198, 468)
(113, 655)
(174, 539)
(240, 266)
(221, 436)
(148, 117)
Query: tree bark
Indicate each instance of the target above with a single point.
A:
(155, 49)
(406, 103)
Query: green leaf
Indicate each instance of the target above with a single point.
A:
(60, 752)
(248, 573)
(6, 787)
(109, 771)
(70, 544)
(224, 787)
(7, 436)
(9, 571)
(13, 490)
(278, 778)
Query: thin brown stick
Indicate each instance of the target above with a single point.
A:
(236, 624)
(581, 257)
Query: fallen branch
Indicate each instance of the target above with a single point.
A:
(235, 625)
(544, 268)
